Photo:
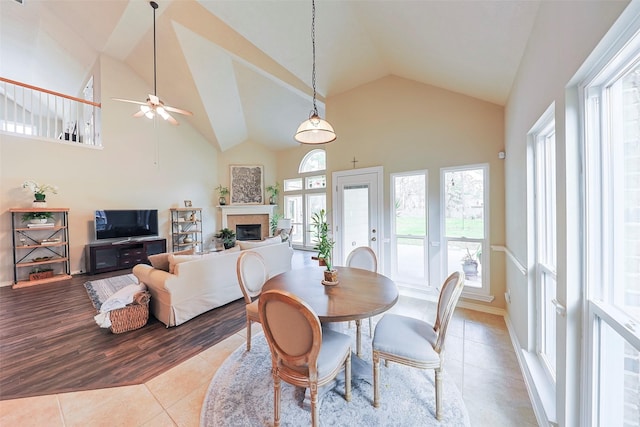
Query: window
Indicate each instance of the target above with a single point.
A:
(409, 248)
(305, 195)
(611, 117)
(465, 204)
(543, 148)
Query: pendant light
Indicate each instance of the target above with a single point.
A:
(314, 130)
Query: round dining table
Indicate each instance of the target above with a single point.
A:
(359, 294)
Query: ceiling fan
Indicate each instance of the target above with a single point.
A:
(153, 104)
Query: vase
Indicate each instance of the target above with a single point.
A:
(273, 200)
(222, 201)
(331, 276)
(39, 200)
(40, 197)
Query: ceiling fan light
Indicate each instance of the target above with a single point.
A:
(163, 113)
(149, 114)
(314, 130)
(145, 108)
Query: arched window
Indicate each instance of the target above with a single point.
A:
(306, 194)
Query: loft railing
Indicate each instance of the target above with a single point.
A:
(34, 111)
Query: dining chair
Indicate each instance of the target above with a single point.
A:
(414, 342)
(302, 352)
(362, 257)
(252, 274)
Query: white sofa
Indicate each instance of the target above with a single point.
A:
(202, 282)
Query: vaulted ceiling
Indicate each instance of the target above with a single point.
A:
(244, 67)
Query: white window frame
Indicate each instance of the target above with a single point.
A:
(538, 138)
(307, 243)
(599, 222)
(482, 293)
(394, 237)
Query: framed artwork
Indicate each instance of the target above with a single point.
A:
(246, 184)
(187, 203)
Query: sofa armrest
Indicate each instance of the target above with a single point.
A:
(152, 277)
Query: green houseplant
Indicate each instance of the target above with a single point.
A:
(228, 237)
(39, 216)
(223, 192)
(274, 223)
(324, 244)
(274, 190)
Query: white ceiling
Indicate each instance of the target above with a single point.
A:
(244, 67)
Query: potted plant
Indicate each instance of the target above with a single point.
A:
(222, 191)
(470, 263)
(228, 237)
(37, 217)
(274, 222)
(39, 191)
(274, 190)
(324, 244)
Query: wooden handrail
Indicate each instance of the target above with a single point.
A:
(39, 89)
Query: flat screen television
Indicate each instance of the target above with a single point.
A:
(126, 224)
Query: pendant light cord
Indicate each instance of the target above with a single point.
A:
(313, 50)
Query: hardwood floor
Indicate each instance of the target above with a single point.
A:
(49, 342)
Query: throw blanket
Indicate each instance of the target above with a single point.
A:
(120, 299)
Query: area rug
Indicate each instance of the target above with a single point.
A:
(100, 290)
(241, 394)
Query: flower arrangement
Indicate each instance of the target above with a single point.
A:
(39, 190)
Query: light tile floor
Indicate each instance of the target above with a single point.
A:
(479, 357)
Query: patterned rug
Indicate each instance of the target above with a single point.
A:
(100, 290)
(241, 394)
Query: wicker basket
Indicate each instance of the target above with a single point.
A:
(133, 316)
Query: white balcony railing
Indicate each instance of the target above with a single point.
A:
(37, 112)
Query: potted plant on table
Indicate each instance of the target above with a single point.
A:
(274, 190)
(223, 192)
(324, 245)
(37, 217)
(228, 237)
(39, 192)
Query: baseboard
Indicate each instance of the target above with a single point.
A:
(481, 307)
(537, 401)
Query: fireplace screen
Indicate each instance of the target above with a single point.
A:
(248, 232)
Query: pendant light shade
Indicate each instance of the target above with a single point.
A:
(314, 130)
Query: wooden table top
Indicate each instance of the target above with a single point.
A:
(358, 295)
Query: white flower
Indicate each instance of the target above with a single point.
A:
(36, 188)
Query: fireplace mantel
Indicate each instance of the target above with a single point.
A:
(239, 210)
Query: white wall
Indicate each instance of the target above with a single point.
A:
(564, 34)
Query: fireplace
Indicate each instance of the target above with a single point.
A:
(248, 232)
(234, 215)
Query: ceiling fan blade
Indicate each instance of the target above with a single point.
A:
(140, 113)
(130, 101)
(178, 110)
(171, 120)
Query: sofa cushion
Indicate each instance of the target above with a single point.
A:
(252, 244)
(161, 261)
(236, 248)
(177, 259)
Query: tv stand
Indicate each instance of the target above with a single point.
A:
(111, 256)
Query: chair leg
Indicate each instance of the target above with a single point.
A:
(358, 338)
(347, 377)
(438, 394)
(376, 379)
(276, 399)
(314, 403)
(248, 334)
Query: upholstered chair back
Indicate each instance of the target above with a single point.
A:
(363, 257)
(252, 274)
(449, 295)
(292, 329)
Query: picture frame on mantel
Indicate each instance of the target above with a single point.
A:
(247, 183)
